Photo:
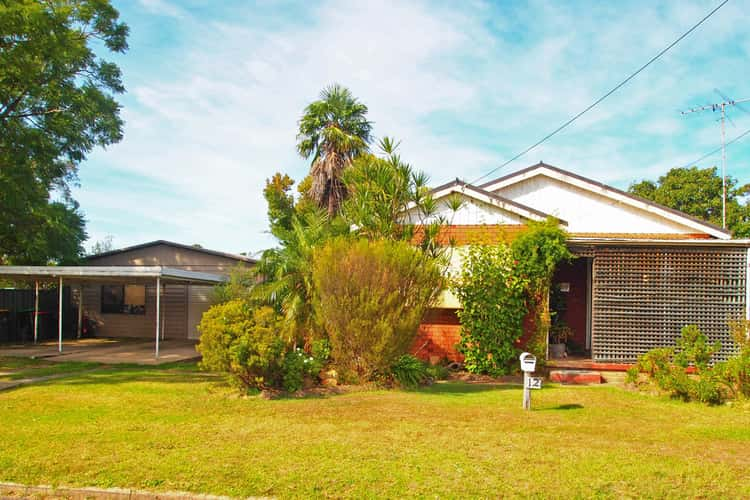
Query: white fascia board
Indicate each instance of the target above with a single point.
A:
(744, 243)
(608, 193)
(104, 272)
(483, 197)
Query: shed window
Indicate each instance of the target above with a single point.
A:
(124, 299)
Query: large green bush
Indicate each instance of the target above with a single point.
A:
(538, 251)
(735, 372)
(244, 343)
(684, 372)
(498, 286)
(371, 297)
(493, 303)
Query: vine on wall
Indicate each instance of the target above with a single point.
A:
(498, 286)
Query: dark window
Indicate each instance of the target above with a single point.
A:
(124, 299)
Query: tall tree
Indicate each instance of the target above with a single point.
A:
(698, 192)
(333, 131)
(56, 105)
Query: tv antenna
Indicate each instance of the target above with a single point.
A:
(721, 106)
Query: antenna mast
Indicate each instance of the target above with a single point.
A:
(714, 107)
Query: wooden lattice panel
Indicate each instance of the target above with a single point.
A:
(642, 297)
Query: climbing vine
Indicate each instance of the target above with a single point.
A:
(492, 296)
(538, 251)
(498, 285)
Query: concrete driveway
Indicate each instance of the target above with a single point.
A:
(107, 350)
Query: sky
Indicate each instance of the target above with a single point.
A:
(215, 91)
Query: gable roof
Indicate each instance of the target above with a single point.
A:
(494, 199)
(174, 245)
(610, 192)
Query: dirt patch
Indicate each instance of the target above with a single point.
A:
(471, 378)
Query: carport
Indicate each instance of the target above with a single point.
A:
(80, 275)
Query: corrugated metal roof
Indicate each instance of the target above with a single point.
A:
(108, 273)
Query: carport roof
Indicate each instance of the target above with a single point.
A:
(108, 274)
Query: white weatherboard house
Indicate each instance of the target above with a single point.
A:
(642, 271)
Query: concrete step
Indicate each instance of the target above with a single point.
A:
(575, 377)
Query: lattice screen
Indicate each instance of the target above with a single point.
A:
(642, 297)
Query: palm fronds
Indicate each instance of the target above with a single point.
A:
(333, 131)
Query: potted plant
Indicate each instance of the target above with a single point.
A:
(559, 334)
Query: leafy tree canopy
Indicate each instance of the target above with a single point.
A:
(56, 105)
(698, 192)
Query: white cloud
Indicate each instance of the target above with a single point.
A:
(163, 7)
(463, 86)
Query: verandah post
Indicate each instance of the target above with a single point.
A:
(36, 310)
(59, 314)
(158, 311)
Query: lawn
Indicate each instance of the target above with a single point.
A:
(16, 368)
(177, 429)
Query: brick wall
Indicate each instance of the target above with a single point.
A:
(437, 337)
(440, 331)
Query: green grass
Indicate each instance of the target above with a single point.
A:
(177, 429)
(16, 368)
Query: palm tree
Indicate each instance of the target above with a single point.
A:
(334, 130)
(284, 275)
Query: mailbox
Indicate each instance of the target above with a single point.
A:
(528, 362)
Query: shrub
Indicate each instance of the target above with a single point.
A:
(693, 348)
(243, 343)
(493, 308)
(669, 368)
(735, 372)
(321, 355)
(298, 365)
(409, 371)
(295, 368)
(437, 372)
(538, 251)
(371, 297)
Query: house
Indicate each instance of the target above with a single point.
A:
(117, 290)
(642, 271)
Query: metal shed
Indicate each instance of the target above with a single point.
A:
(80, 276)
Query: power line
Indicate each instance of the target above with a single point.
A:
(693, 163)
(615, 89)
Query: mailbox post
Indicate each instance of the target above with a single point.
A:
(528, 365)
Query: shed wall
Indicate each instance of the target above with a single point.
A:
(173, 314)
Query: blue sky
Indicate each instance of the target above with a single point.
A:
(215, 90)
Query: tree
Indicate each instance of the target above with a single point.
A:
(283, 275)
(56, 105)
(52, 233)
(333, 131)
(383, 189)
(698, 192)
(102, 246)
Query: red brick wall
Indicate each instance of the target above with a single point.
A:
(438, 335)
(440, 331)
